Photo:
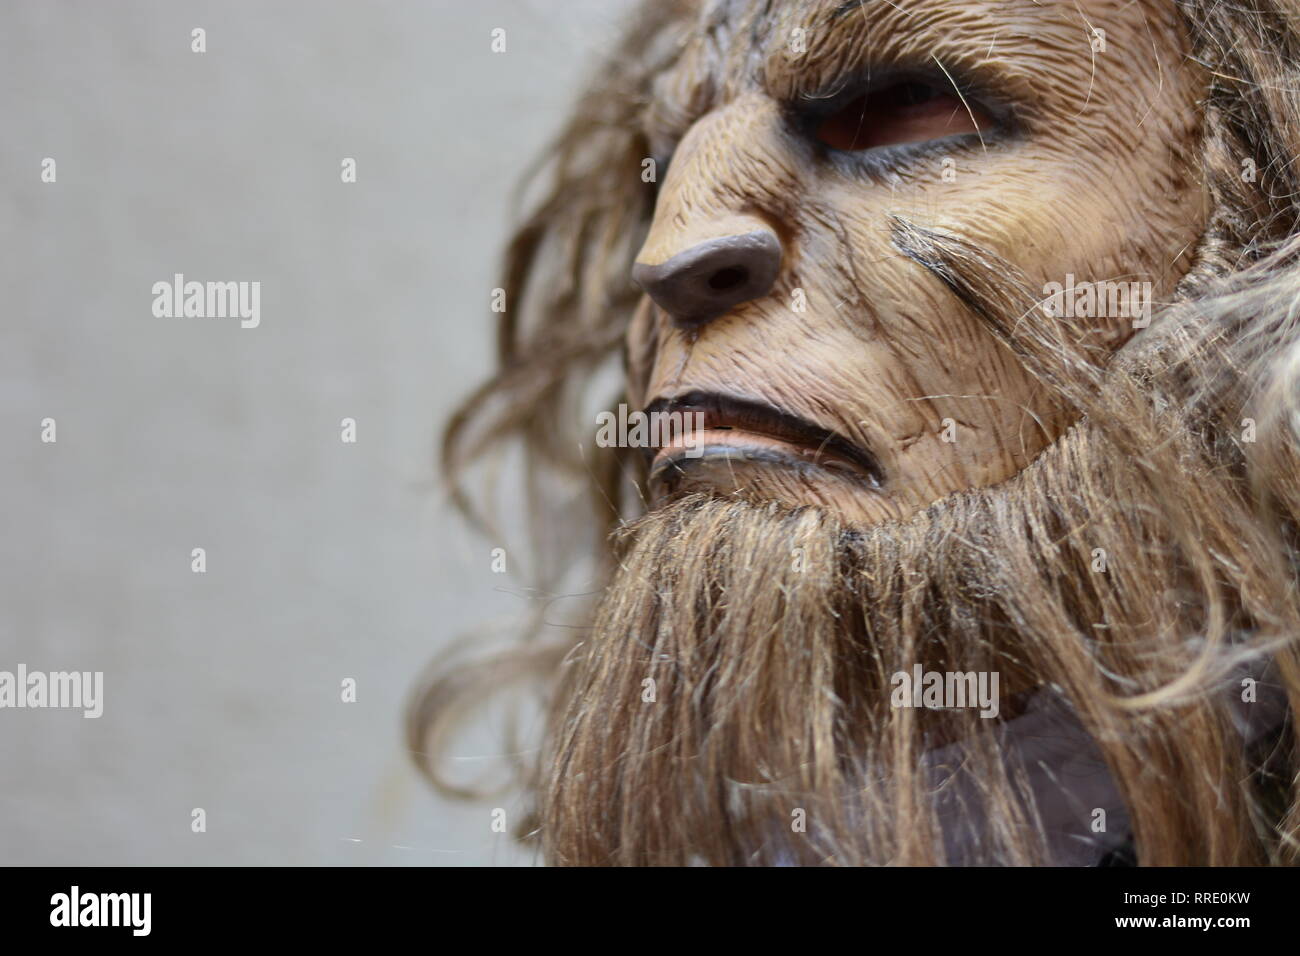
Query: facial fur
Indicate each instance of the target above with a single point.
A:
(1104, 515)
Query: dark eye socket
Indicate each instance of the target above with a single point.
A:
(908, 94)
(904, 112)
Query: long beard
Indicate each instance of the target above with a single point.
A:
(1133, 589)
(736, 699)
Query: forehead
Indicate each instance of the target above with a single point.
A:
(791, 50)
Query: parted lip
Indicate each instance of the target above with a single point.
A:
(721, 412)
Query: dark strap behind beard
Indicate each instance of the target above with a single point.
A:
(1069, 778)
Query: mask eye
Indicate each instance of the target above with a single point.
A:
(901, 113)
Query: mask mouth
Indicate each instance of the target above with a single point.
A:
(728, 430)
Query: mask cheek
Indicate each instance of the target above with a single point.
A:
(641, 350)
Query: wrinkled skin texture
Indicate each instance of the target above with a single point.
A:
(1084, 169)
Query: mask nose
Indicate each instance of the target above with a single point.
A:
(712, 277)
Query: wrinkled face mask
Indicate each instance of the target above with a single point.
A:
(950, 558)
(829, 367)
(822, 360)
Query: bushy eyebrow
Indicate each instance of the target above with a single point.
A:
(847, 7)
(945, 37)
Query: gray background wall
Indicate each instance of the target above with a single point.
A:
(325, 560)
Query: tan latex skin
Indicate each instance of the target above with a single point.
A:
(1095, 177)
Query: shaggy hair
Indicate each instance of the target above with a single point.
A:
(1139, 570)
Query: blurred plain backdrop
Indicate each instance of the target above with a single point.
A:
(325, 560)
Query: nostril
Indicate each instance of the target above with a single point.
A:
(710, 278)
(726, 279)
